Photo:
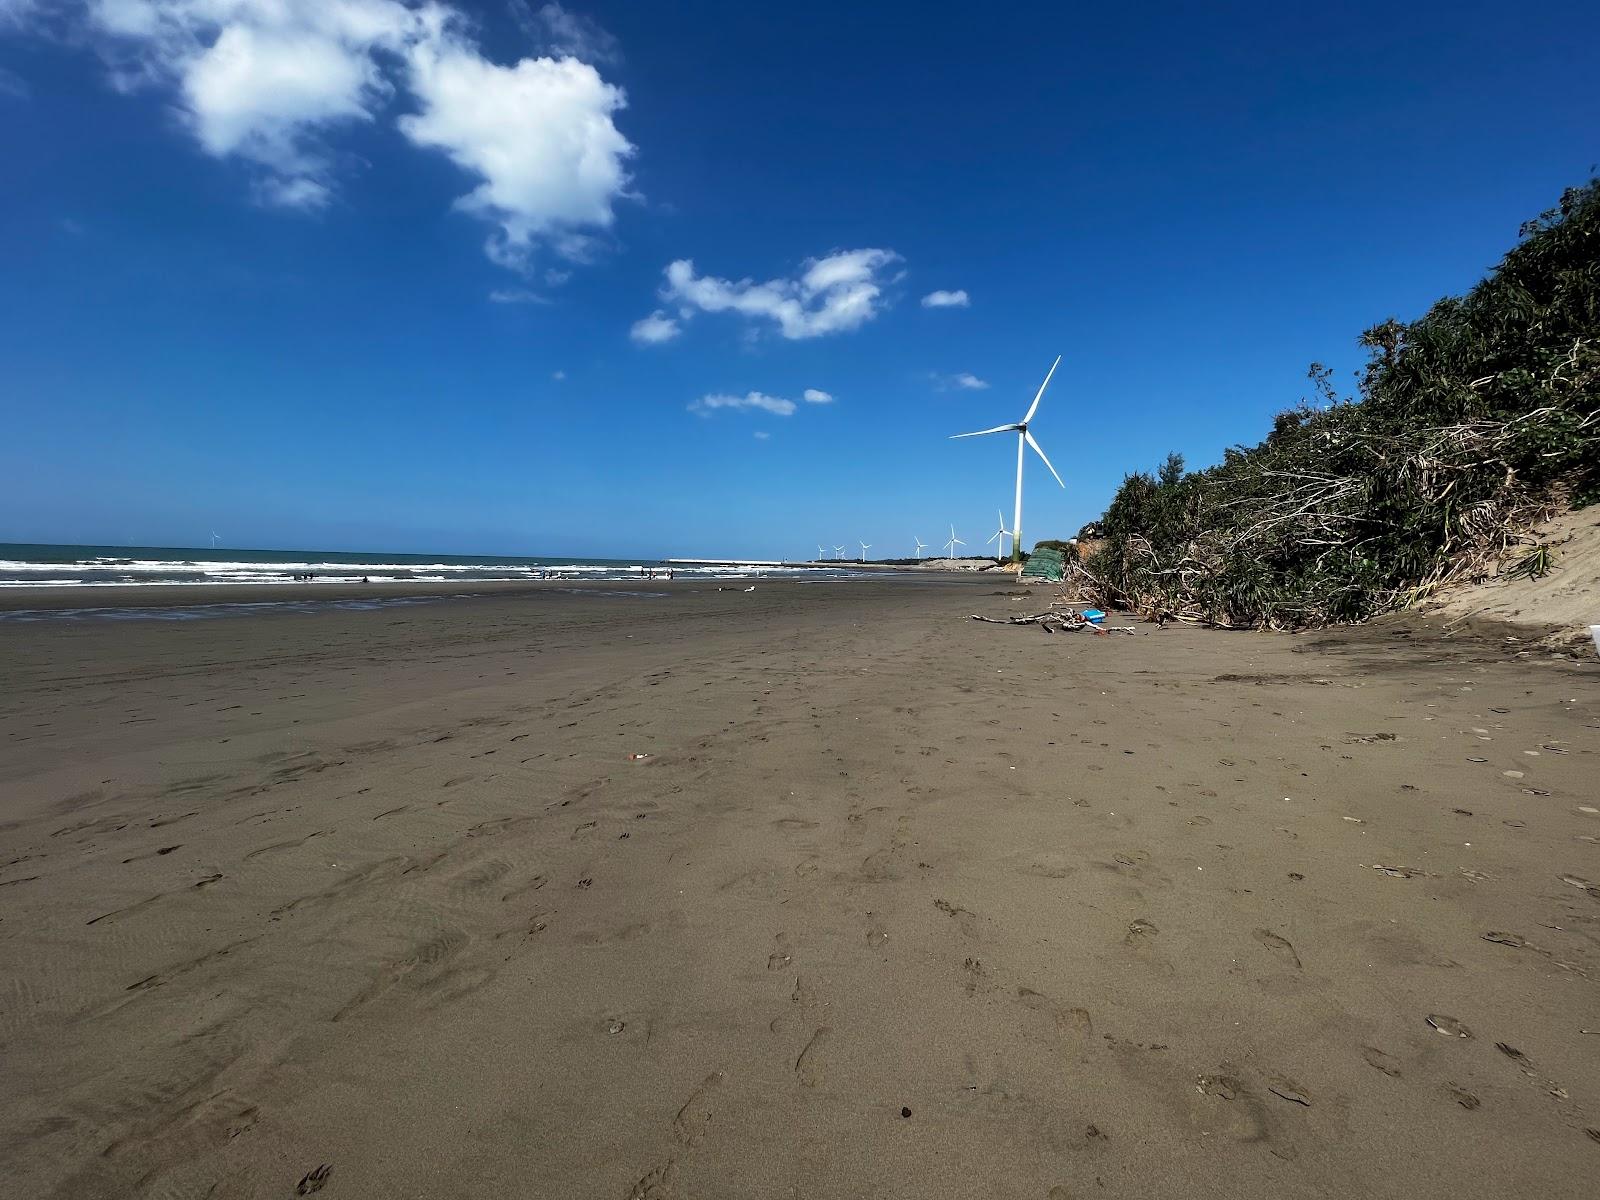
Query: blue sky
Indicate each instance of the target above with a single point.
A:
(368, 274)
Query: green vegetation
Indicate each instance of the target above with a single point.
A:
(1473, 422)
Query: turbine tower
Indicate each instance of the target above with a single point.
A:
(951, 545)
(1000, 536)
(1024, 438)
(920, 546)
(838, 552)
(865, 546)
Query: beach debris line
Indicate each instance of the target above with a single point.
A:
(1067, 622)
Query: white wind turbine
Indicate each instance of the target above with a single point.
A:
(920, 546)
(950, 546)
(1000, 536)
(865, 546)
(1023, 438)
(838, 552)
(214, 539)
(821, 554)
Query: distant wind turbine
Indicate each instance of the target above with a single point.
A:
(821, 554)
(1000, 535)
(951, 545)
(920, 546)
(865, 546)
(1020, 428)
(213, 539)
(838, 552)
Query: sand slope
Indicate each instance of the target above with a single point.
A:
(1565, 602)
(902, 905)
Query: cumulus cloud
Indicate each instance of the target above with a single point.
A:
(654, 329)
(270, 82)
(817, 396)
(750, 401)
(560, 32)
(263, 80)
(834, 294)
(943, 299)
(539, 136)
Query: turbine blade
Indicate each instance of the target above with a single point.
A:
(1034, 407)
(1040, 453)
(981, 432)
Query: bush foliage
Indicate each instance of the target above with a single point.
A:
(1471, 423)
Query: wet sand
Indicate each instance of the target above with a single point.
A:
(900, 905)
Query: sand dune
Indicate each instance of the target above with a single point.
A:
(899, 904)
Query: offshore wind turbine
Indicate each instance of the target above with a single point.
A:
(213, 539)
(1024, 438)
(865, 546)
(821, 554)
(1000, 535)
(954, 541)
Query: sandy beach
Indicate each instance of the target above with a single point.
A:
(896, 904)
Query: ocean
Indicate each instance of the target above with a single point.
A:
(34, 566)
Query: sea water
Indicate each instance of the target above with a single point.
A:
(29, 566)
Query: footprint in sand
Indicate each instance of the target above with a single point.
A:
(781, 956)
(1280, 946)
(657, 1185)
(693, 1121)
(1141, 934)
(812, 1064)
(1379, 1061)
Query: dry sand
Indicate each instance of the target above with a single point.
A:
(901, 905)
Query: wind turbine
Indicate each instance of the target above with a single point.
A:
(1000, 535)
(838, 552)
(213, 539)
(865, 546)
(1020, 428)
(920, 546)
(954, 541)
(821, 553)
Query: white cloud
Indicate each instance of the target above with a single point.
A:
(12, 11)
(943, 299)
(839, 292)
(558, 376)
(557, 31)
(963, 381)
(270, 82)
(11, 84)
(762, 435)
(516, 296)
(817, 396)
(776, 405)
(539, 135)
(264, 80)
(654, 329)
